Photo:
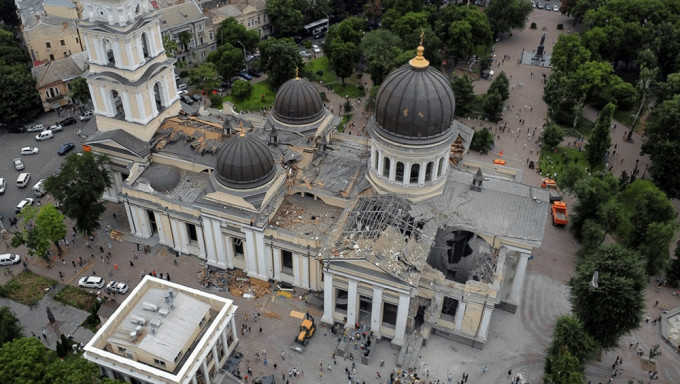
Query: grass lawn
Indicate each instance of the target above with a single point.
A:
(551, 162)
(27, 288)
(624, 116)
(262, 97)
(330, 80)
(345, 119)
(584, 128)
(77, 297)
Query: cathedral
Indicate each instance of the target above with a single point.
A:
(398, 232)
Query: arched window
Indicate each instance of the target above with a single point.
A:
(146, 46)
(440, 169)
(428, 171)
(415, 173)
(157, 96)
(108, 48)
(399, 176)
(117, 103)
(386, 167)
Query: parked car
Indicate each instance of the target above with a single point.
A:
(65, 148)
(556, 8)
(29, 150)
(305, 54)
(316, 48)
(86, 116)
(91, 282)
(244, 75)
(182, 92)
(250, 58)
(36, 128)
(117, 287)
(9, 259)
(68, 121)
(18, 164)
(18, 129)
(44, 135)
(56, 127)
(186, 99)
(254, 72)
(23, 204)
(3, 185)
(182, 87)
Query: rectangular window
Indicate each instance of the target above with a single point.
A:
(48, 45)
(51, 57)
(287, 261)
(77, 40)
(65, 54)
(211, 36)
(200, 324)
(191, 230)
(160, 363)
(63, 42)
(389, 314)
(238, 247)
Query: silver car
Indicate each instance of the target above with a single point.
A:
(9, 259)
(18, 164)
(29, 150)
(91, 282)
(23, 204)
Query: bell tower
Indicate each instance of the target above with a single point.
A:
(131, 80)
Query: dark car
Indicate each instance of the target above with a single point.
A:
(254, 72)
(186, 99)
(68, 121)
(244, 75)
(18, 129)
(66, 148)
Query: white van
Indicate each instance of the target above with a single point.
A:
(22, 180)
(44, 135)
(3, 185)
(39, 188)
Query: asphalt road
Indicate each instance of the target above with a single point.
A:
(39, 166)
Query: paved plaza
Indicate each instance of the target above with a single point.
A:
(516, 342)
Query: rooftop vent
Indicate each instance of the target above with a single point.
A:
(149, 306)
(477, 180)
(164, 311)
(135, 319)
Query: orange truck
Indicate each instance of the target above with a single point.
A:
(559, 213)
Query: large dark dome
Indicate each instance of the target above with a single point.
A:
(163, 178)
(244, 162)
(297, 102)
(415, 102)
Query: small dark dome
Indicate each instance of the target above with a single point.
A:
(163, 178)
(297, 102)
(415, 102)
(244, 162)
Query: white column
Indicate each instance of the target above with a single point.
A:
(230, 252)
(421, 173)
(276, 252)
(225, 346)
(460, 314)
(393, 168)
(305, 271)
(177, 236)
(407, 173)
(296, 269)
(262, 264)
(328, 304)
(206, 373)
(216, 356)
(402, 314)
(518, 279)
(193, 379)
(351, 303)
(200, 236)
(142, 107)
(220, 256)
(251, 262)
(209, 241)
(376, 311)
(484, 325)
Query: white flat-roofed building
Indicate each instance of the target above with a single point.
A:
(166, 333)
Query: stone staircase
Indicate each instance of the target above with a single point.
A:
(224, 377)
(408, 356)
(345, 350)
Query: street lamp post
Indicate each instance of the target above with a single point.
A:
(245, 57)
(328, 20)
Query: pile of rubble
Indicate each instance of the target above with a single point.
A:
(236, 281)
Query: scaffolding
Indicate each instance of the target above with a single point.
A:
(373, 214)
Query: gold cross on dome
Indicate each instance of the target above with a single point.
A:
(297, 75)
(422, 34)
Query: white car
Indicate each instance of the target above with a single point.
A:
(9, 259)
(305, 54)
(316, 48)
(35, 128)
(56, 127)
(23, 204)
(556, 8)
(18, 164)
(91, 282)
(29, 150)
(117, 287)
(86, 116)
(3, 185)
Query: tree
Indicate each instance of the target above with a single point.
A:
(19, 101)
(481, 140)
(169, 45)
(670, 88)
(592, 193)
(232, 32)
(663, 145)
(568, 53)
(279, 58)
(285, 17)
(30, 234)
(23, 360)
(380, 49)
(10, 327)
(500, 84)
(8, 13)
(570, 336)
(51, 223)
(241, 89)
(227, 59)
(614, 305)
(80, 92)
(552, 135)
(493, 106)
(74, 370)
(464, 91)
(564, 369)
(505, 15)
(599, 141)
(184, 39)
(79, 188)
(342, 58)
(204, 76)
(646, 77)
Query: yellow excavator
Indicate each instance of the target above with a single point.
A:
(307, 329)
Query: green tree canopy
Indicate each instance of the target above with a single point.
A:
(500, 84)
(33, 236)
(493, 105)
(228, 60)
(599, 140)
(481, 140)
(568, 53)
(613, 307)
(552, 135)
(506, 15)
(279, 58)
(19, 101)
(204, 76)
(464, 92)
(80, 92)
(380, 49)
(241, 89)
(663, 145)
(23, 360)
(51, 223)
(231, 31)
(10, 328)
(169, 45)
(592, 193)
(570, 336)
(286, 16)
(79, 189)
(73, 370)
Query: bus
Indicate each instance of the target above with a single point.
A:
(316, 28)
